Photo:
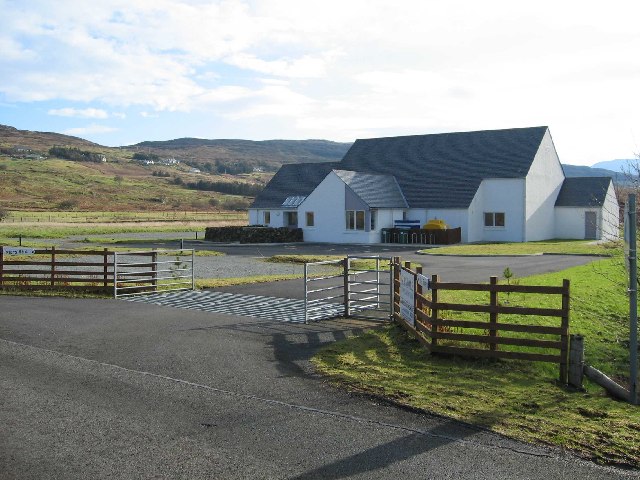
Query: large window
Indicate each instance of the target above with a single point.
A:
(494, 219)
(310, 219)
(355, 219)
(373, 214)
(266, 218)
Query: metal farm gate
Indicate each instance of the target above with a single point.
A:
(357, 287)
(157, 271)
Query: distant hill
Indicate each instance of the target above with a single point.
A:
(40, 141)
(584, 171)
(268, 154)
(615, 165)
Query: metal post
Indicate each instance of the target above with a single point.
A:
(115, 274)
(347, 266)
(377, 283)
(306, 294)
(182, 244)
(633, 302)
(193, 271)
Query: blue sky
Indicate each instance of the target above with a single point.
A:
(119, 72)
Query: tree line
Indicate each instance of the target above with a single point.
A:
(75, 154)
(230, 188)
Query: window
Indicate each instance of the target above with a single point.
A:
(291, 219)
(266, 218)
(372, 219)
(494, 219)
(310, 219)
(355, 219)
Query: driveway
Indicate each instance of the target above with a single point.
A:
(114, 389)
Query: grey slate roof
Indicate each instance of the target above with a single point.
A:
(445, 170)
(295, 179)
(377, 191)
(583, 192)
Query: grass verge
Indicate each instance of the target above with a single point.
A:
(584, 247)
(519, 399)
(225, 282)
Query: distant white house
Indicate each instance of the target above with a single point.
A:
(497, 185)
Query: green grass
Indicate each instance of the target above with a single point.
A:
(225, 282)
(120, 216)
(516, 398)
(365, 264)
(529, 248)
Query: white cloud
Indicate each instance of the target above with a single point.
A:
(79, 113)
(92, 129)
(339, 69)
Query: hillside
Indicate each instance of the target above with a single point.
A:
(268, 155)
(615, 165)
(584, 171)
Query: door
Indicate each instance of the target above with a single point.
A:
(590, 225)
(291, 219)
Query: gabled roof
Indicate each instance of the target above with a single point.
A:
(377, 191)
(292, 180)
(445, 170)
(583, 192)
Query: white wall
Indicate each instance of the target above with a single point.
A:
(253, 217)
(610, 216)
(453, 217)
(543, 183)
(504, 195)
(570, 221)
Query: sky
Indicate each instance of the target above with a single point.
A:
(119, 72)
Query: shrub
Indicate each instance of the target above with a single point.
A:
(67, 204)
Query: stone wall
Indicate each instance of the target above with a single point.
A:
(253, 234)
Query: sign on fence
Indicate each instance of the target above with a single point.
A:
(424, 282)
(407, 292)
(18, 251)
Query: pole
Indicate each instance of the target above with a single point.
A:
(306, 294)
(633, 303)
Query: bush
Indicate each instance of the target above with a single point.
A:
(67, 205)
(3, 214)
(237, 204)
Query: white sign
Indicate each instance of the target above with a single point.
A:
(18, 251)
(407, 292)
(424, 282)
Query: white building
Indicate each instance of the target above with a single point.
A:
(498, 185)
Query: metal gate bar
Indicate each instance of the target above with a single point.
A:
(135, 277)
(324, 306)
(375, 298)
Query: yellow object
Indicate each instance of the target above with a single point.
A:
(435, 224)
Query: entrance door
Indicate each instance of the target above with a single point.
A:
(291, 219)
(590, 225)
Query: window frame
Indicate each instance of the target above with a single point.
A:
(310, 215)
(355, 220)
(494, 219)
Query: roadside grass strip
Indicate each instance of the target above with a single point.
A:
(575, 247)
(519, 399)
(268, 308)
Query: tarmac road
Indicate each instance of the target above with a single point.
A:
(114, 389)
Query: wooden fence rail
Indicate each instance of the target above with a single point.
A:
(484, 338)
(43, 269)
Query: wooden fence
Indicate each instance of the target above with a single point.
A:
(482, 338)
(53, 268)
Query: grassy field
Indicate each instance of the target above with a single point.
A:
(545, 246)
(516, 398)
(55, 185)
(57, 217)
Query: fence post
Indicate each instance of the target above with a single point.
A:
(1, 266)
(115, 274)
(434, 311)
(395, 286)
(576, 360)
(306, 294)
(154, 270)
(347, 265)
(53, 266)
(418, 290)
(493, 316)
(564, 338)
(193, 271)
(106, 268)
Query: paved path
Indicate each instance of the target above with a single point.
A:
(114, 389)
